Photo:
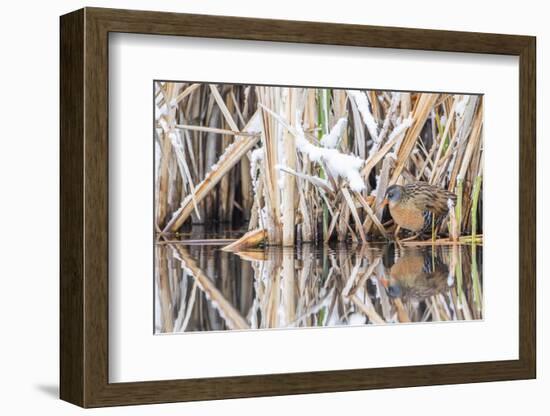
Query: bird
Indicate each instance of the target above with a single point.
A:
(418, 206)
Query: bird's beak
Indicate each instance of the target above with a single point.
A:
(385, 202)
(385, 282)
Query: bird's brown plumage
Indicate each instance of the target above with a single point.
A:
(416, 205)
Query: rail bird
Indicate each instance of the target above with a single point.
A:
(418, 207)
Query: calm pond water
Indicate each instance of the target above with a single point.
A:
(199, 287)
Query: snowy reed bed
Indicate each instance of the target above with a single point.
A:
(311, 164)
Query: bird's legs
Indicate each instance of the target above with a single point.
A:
(396, 233)
(411, 238)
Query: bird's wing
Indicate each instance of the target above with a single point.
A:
(430, 198)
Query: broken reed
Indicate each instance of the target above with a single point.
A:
(226, 152)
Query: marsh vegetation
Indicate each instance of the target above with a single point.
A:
(300, 176)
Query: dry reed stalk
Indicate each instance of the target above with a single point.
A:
(367, 309)
(252, 255)
(368, 273)
(223, 107)
(332, 226)
(231, 316)
(288, 286)
(402, 314)
(306, 225)
(272, 297)
(359, 132)
(375, 158)
(187, 91)
(443, 138)
(464, 240)
(229, 158)
(178, 155)
(162, 203)
(461, 136)
(342, 229)
(255, 216)
(371, 216)
(339, 100)
(475, 137)
(246, 179)
(374, 104)
(167, 121)
(183, 320)
(420, 115)
(269, 99)
(405, 104)
(351, 278)
(354, 213)
(215, 130)
(289, 148)
(381, 189)
(211, 142)
(198, 242)
(166, 304)
(454, 228)
(177, 180)
(250, 240)
(390, 115)
(226, 186)
(246, 188)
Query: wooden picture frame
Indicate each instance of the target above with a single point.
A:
(84, 207)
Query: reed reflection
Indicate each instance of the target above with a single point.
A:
(202, 288)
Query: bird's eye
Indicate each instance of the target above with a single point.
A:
(390, 194)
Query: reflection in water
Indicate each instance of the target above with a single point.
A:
(202, 288)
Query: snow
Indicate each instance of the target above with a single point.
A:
(163, 124)
(450, 204)
(160, 111)
(405, 124)
(450, 279)
(281, 185)
(254, 124)
(256, 156)
(461, 106)
(356, 319)
(332, 139)
(363, 107)
(339, 164)
(317, 181)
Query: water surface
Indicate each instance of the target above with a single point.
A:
(199, 287)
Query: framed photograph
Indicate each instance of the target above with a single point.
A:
(256, 207)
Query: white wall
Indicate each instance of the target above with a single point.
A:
(29, 206)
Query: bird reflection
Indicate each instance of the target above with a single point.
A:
(417, 274)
